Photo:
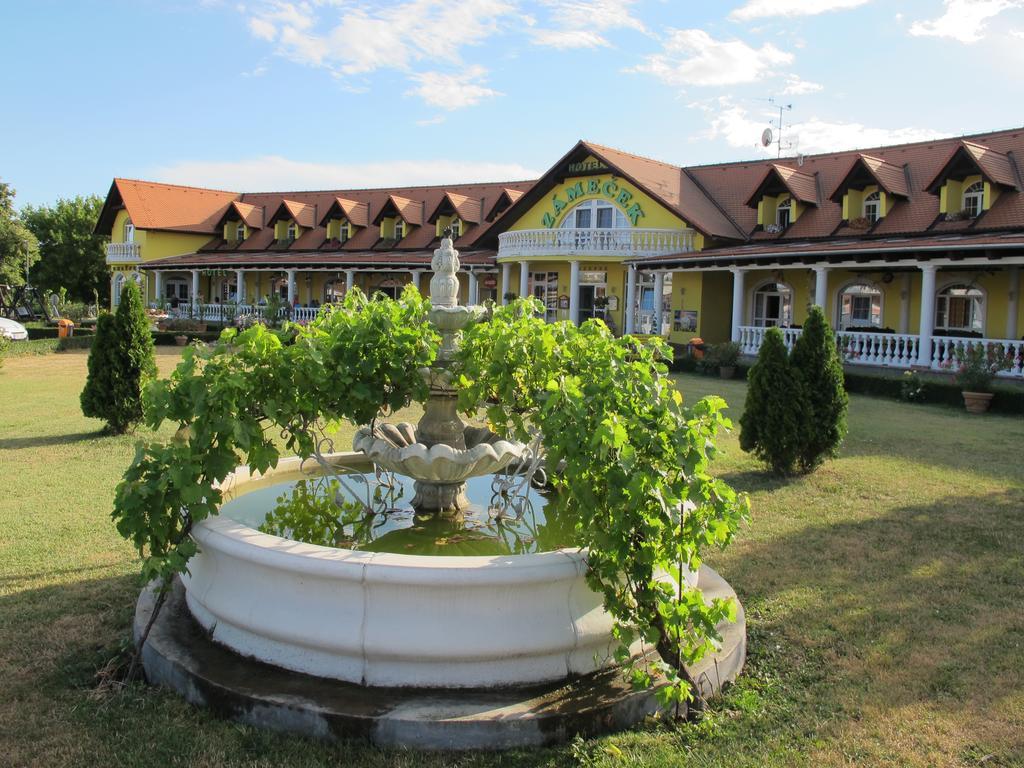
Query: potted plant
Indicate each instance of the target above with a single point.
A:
(181, 339)
(725, 356)
(978, 364)
(510, 296)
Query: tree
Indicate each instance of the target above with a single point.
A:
(120, 363)
(816, 361)
(16, 240)
(99, 385)
(773, 422)
(71, 254)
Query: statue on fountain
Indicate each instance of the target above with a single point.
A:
(442, 451)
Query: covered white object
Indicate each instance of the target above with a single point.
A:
(12, 330)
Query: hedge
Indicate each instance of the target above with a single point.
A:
(45, 346)
(50, 332)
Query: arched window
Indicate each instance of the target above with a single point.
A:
(240, 231)
(974, 198)
(595, 214)
(784, 213)
(117, 287)
(860, 306)
(129, 231)
(399, 229)
(293, 231)
(279, 287)
(334, 291)
(456, 225)
(873, 207)
(773, 305)
(960, 308)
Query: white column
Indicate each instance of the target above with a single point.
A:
(506, 281)
(240, 286)
(574, 292)
(158, 285)
(415, 277)
(821, 288)
(738, 294)
(1013, 303)
(659, 301)
(350, 279)
(291, 287)
(474, 296)
(195, 286)
(924, 352)
(524, 279)
(629, 312)
(905, 304)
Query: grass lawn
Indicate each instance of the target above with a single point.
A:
(885, 601)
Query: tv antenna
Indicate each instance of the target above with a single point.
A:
(767, 137)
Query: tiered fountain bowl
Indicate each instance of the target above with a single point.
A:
(432, 651)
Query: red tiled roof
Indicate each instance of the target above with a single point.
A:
(287, 259)
(250, 214)
(152, 205)
(303, 214)
(410, 211)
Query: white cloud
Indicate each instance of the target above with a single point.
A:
(262, 29)
(580, 23)
(797, 87)
(452, 91)
(758, 9)
(738, 128)
(368, 36)
(259, 71)
(435, 120)
(963, 20)
(693, 57)
(279, 173)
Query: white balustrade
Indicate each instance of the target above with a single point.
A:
(897, 350)
(594, 242)
(228, 313)
(120, 253)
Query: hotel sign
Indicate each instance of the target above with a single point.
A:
(608, 188)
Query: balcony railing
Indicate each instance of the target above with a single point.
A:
(895, 350)
(625, 243)
(120, 253)
(229, 313)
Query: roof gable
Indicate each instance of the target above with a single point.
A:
(466, 208)
(358, 213)
(968, 158)
(506, 198)
(866, 170)
(152, 205)
(303, 214)
(779, 179)
(409, 211)
(251, 215)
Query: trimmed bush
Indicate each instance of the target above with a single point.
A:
(120, 363)
(772, 425)
(816, 361)
(51, 332)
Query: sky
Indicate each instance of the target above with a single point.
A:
(268, 95)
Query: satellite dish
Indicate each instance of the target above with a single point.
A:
(766, 137)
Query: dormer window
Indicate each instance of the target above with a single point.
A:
(240, 231)
(783, 213)
(399, 229)
(342, 232)
(456, 225)
(973, 200)
(873, 207)
(292, 232)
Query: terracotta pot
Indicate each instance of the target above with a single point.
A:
(977, 402)
(181, 341)
(727, 371)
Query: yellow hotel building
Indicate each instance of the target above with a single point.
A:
(912, 250)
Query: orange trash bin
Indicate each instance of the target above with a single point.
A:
(696, 347)
(65, 328)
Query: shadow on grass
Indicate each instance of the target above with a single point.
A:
(918, 607)
(43, 441)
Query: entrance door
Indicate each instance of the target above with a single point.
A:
(589, 306)
(773, 306)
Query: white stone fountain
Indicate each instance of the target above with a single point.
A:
(444, 652)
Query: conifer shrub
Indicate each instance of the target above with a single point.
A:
(120, 363)
(773, 422)
(815, 360)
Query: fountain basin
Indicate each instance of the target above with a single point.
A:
(385, 619)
